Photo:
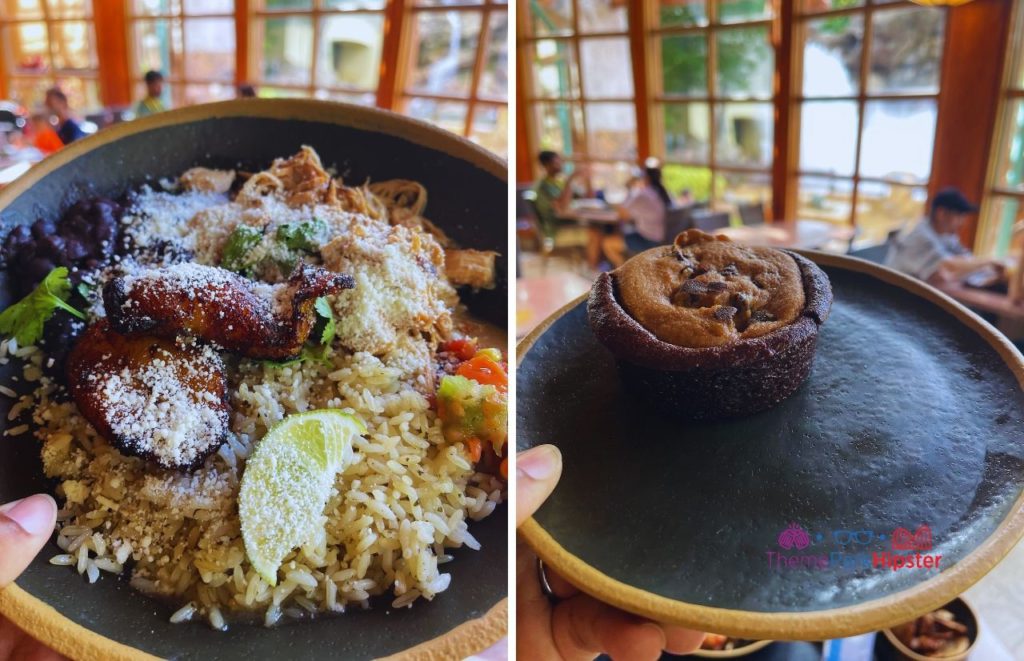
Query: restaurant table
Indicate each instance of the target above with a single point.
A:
(804, 233)
(539, 297)
(1009, 315)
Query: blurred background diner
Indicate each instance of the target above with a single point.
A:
(819, 124)
(73, 67)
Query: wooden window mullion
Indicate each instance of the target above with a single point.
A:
(483, 41)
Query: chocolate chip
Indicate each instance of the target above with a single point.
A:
(730, 270)
(717, 286)
(725, 312)
(693, 287)
(761, 316)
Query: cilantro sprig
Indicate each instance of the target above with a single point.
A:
(25, 319)
(321, 351)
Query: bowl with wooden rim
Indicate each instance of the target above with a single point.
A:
(468, 192)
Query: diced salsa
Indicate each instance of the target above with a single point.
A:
(473, 401)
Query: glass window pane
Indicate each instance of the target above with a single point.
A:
(446, 53)
(1002, 214)
(684, 65)
(607, 71)
(830, 200)
(737, 11)
(611, 130)
(687, 129)
(832, 55)
(696, 180)
(349, 5)
(897, 140)
(199, 7)
(682, 12)
(268, 92)
(83, 93)
(554, 73)
(828, 137)
(448, 115)
(287, 4)
(28, 92)
(210, 49)
(154, 43)
(551, 17)
(29, 46)
(494, 79)
(1011, 151)
(65, 8)
(208, 93)
(746, 188)
(746, 62)
(559, 127)
(350, 47)
(610, 178)
(21, 9)
(906, 50)
(810, 6)
(883, 207)
(490, 128)
(72, 45)
(362, 99)
(287, 53)
(602, 16)
(156, 7)
(744, 133)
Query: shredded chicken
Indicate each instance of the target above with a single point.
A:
(206, 180)
(473, 268)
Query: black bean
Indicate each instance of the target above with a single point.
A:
(43, 228)
(74, 250)
(51, 246)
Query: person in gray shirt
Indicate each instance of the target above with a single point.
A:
(931, 250)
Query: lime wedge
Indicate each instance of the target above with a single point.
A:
(287, 482)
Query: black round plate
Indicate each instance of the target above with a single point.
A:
(909, 418)
(466, 200)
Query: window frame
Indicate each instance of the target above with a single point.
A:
(177, 82)
(317, 12)
(487, 9)
(1011, 90)
(52, 76)
(526, 45)
(797, 98)
(658, 100)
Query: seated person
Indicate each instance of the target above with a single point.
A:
(553, 193)
(931, 249)
(44, 138)
(643, 217)
(68, 129)
(153, 102)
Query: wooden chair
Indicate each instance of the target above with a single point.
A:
(751, 213)
(677, 219)
(709, 221)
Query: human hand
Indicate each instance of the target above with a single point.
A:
(578, 626)
(25, 526)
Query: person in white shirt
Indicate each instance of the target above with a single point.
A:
(643, 217)
(931, 249)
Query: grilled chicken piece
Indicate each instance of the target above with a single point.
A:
(221, 307)
(474, 268)
(155, 398)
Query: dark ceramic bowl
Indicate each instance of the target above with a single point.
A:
(888, 647)
(468, 199)
(912, 418)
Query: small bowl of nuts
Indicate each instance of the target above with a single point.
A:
(717, 646)
(949, 633)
